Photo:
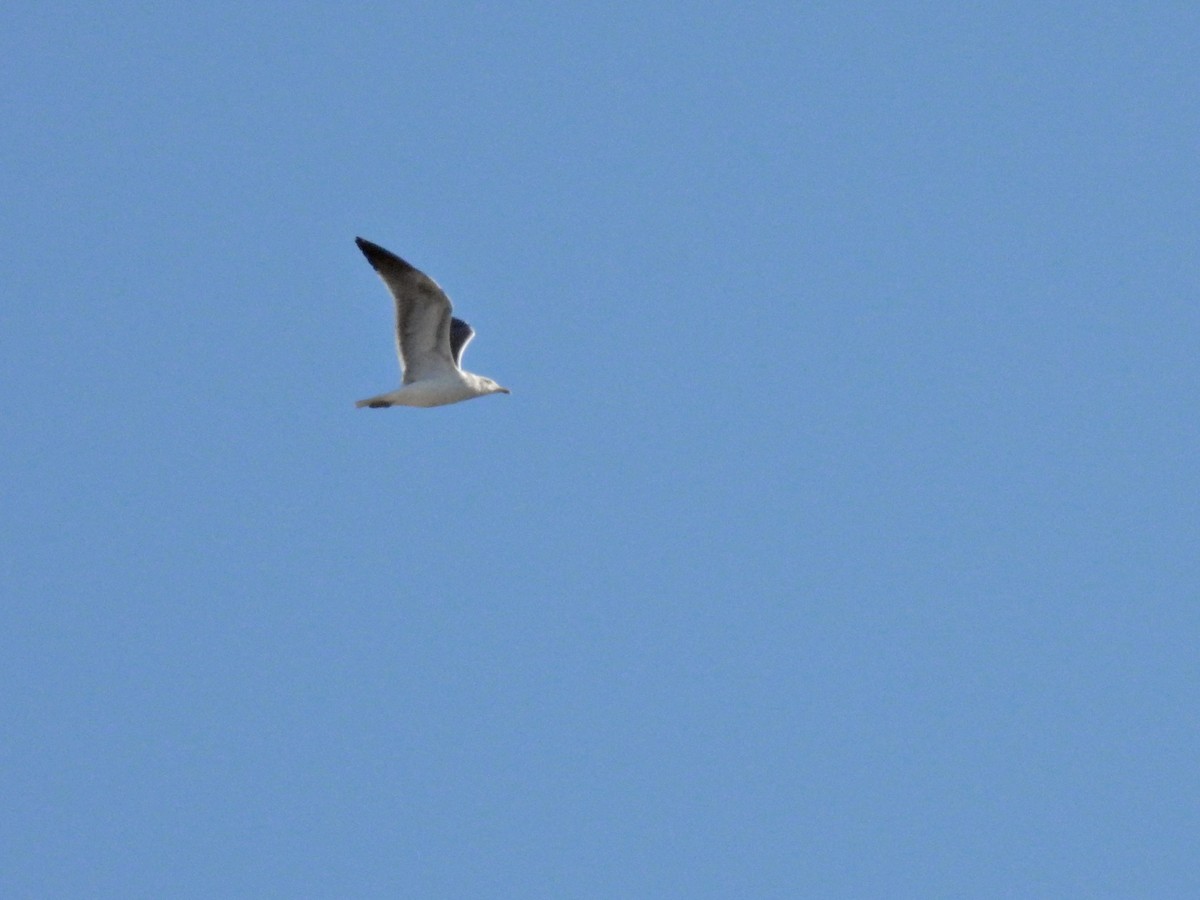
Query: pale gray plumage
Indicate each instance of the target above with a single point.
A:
(429, 340)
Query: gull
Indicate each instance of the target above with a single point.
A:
(429, 341)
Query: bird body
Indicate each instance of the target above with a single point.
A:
(429, 340)
(439, 391)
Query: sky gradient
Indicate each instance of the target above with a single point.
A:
(840, 537)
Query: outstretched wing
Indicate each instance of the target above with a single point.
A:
(460, 335)
(422, 315)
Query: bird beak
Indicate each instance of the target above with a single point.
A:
(505, 390)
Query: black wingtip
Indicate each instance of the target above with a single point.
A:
(373, 252)
(377, 256)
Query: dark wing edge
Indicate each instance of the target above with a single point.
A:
(383, 261)
(460, 335)
(417, 298)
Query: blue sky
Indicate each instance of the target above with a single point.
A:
(839, 538)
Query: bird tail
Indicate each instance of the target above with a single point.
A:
(380, 402)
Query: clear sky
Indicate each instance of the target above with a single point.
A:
(840, 537)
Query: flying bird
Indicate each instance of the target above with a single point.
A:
(429, 340)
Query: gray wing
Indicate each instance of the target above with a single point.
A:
(422, 315)
(460, 335)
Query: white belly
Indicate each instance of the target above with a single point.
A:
(433, 393)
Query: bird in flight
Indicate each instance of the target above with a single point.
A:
(429, 340)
